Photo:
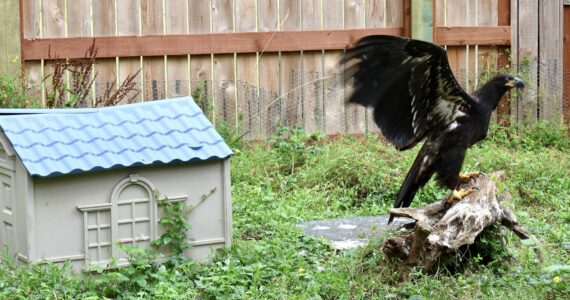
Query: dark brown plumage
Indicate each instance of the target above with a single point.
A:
(415, 97)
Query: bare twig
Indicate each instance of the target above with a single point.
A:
(82, 79)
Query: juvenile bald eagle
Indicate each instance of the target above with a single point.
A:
(415, 97)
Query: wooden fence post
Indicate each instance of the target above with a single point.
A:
(504, 15)
(422, 20)
(566, 66)
(407, 18)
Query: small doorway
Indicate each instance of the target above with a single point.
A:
(7, 204)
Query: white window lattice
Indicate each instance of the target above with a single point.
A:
(125, 221)
(99, 235)
(134, 222)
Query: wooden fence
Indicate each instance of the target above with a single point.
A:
(268, 63)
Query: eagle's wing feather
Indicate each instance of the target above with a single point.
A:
(408, 82)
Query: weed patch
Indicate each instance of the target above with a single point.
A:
(13, 94)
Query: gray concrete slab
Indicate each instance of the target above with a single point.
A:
(352, 232)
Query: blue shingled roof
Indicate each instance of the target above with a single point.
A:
(68, 141)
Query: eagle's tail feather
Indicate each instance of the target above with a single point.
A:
(407, 191)
(415, 179)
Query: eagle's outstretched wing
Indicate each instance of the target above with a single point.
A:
(408, 82)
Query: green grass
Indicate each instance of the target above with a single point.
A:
(293, 177)
(13, 94)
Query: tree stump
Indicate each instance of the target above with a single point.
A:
(442, 228)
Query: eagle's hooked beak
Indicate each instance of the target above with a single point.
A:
(516, 82)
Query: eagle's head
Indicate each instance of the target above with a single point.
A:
(507, 81)
(492, 91)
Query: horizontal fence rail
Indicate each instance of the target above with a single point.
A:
(193, 44)
(474, 35)
(247, 42)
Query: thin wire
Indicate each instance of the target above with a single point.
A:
(287, 93)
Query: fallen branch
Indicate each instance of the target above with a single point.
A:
(441, 228)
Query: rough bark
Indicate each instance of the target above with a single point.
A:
(441, 228)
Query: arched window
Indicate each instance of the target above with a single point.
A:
(128, 218)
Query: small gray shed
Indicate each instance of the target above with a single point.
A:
(75, 184)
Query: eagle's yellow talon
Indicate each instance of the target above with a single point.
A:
(463, 178)
(458, 195)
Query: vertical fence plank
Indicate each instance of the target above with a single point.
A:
(440, 12)
(178, 78)
(224, 76)
(290, 19)
(375, 13)
(10, 37)
(128, 21)
(247, 76)
(33, 69)
(128, 24)
(354, 18)
(104, 18)
(201, 65)
(525, 36)
(32, 24)
(394, 13)
(488, 12)
(153, 67)
(334, 104)
(269, 71)
(550, 62)
(312, 62)
(53, 16)
(78, 18)
(104, 25)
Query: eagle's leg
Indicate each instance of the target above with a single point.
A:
(466, 177)
(457, 195)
